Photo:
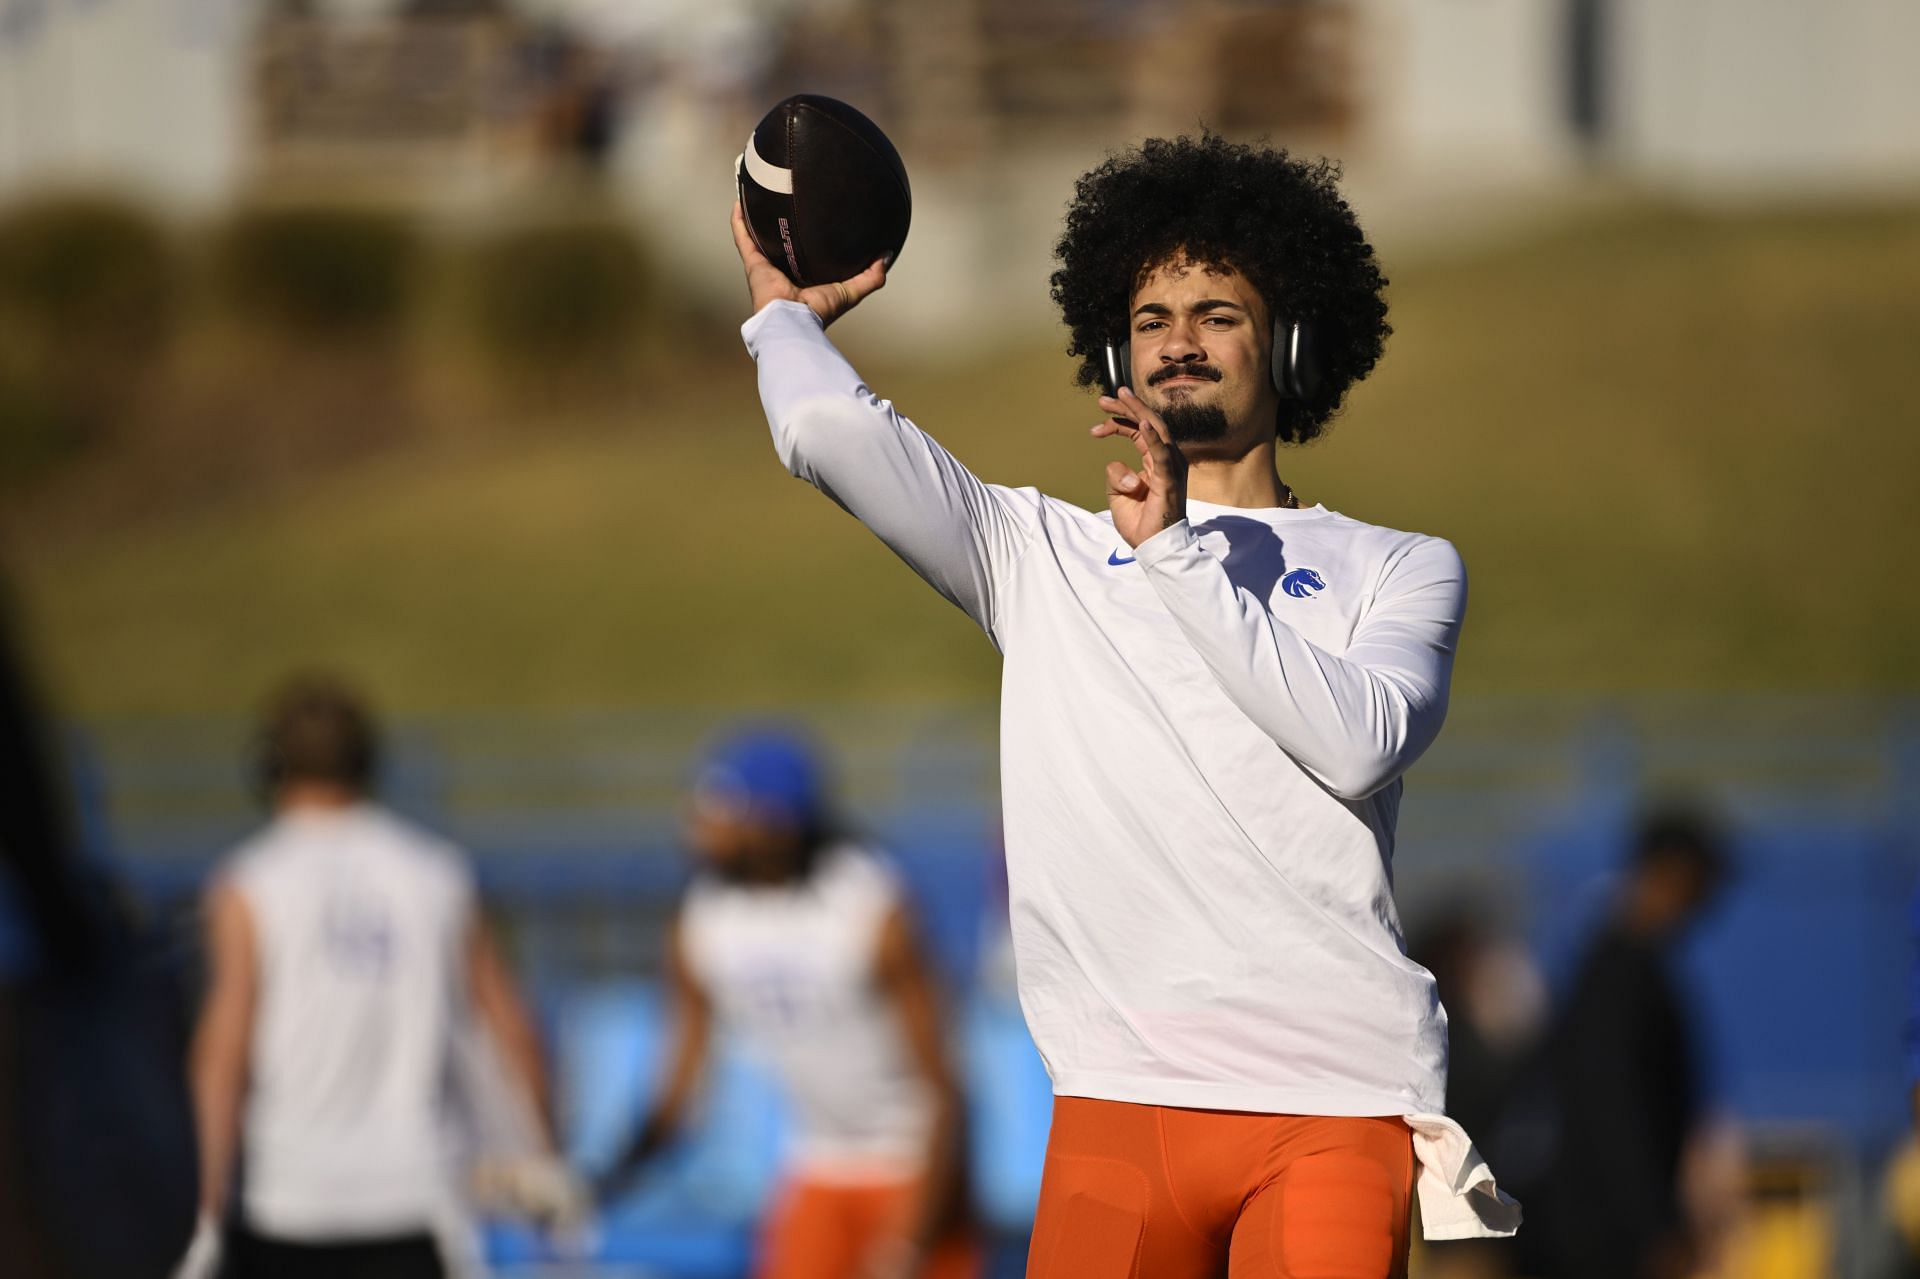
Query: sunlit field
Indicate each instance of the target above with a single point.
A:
(1676, 450)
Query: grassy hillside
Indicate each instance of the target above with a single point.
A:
(1676, 451)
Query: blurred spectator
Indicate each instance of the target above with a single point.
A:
(346, 949)
(579, 112)
(1624, 1070)
(1913, 1009)
(1900, 1193)
(95, 1127)
(1496, 1002)
(801, 942)
(1496, 1005)
(1586, 37)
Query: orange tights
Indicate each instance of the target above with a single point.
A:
(1158, 1192)
(829, 1230)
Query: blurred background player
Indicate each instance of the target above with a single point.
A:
(1624, 1060)
(1900, 1189)
(348, 960)
(95, 1124)
(801, 941)
(1496, 1002)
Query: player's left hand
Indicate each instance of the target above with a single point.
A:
(1155, 497)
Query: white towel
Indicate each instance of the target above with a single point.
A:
(1458, 1199)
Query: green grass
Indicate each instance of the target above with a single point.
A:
(1677, 452)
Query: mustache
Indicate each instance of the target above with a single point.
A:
(1206, 371)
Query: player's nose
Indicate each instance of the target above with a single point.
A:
(1182, 346)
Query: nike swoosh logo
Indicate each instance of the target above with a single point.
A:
(1114, 559)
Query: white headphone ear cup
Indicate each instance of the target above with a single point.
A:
(1119, 365)
(1303, 363)
(1280, 368)
(1294, 374)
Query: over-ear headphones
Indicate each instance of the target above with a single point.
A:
(1295, 364)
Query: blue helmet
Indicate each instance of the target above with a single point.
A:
(773, 773)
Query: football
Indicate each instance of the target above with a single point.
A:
(823, 189)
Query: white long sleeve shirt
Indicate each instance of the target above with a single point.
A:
(1202, 741)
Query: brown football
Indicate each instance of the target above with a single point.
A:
(824, 190)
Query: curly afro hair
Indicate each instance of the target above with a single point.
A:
(1278, 221)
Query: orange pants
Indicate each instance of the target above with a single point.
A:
(1157, 1192)
(828, 1230)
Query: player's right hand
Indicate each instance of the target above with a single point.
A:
(768, 283)
(1146, 501)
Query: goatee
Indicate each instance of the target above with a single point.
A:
(1189, 423)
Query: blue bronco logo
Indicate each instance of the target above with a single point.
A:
(1302, 583)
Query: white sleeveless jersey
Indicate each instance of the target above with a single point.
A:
(359, 923)
(792, 970)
